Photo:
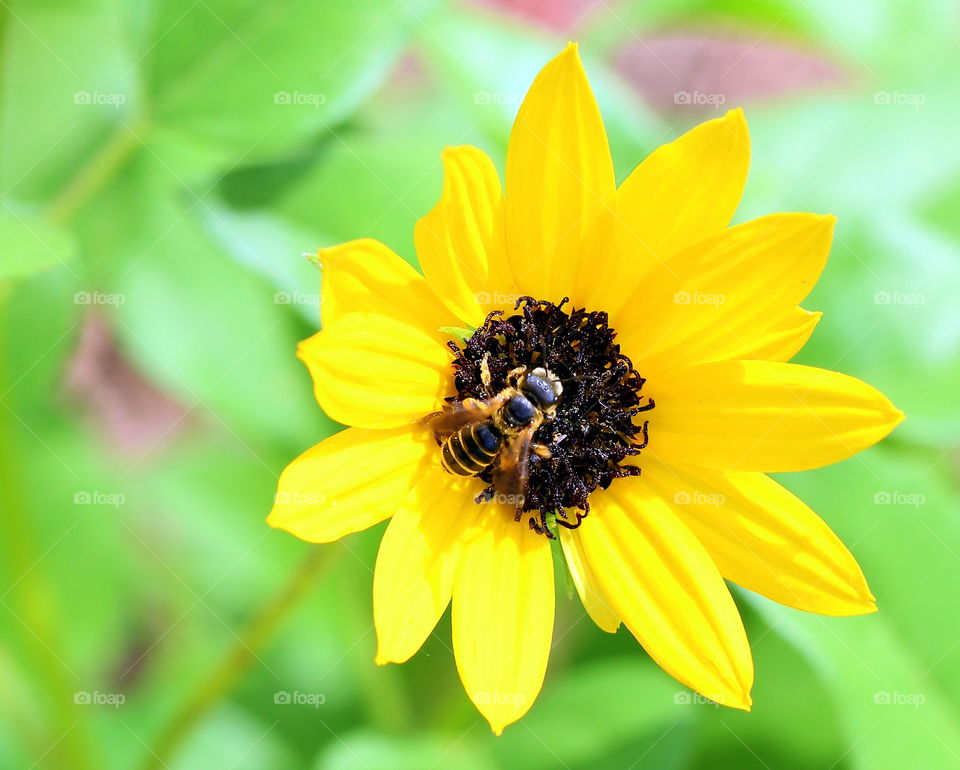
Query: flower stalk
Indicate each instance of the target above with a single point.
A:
(257, 634)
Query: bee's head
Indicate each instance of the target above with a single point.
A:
(542, 387)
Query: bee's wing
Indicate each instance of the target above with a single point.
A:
(513, 467)
(466, 412)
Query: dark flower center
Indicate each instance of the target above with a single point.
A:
(595, 427)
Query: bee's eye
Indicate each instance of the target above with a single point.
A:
(540, 390)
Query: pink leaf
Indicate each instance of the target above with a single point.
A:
(560, 15)
(690, 71)
(131, 412)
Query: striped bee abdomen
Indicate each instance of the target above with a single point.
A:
(471, 449)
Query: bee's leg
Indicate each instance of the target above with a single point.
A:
(485, 496)
(514, 375)
(542, 451)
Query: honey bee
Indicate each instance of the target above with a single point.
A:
(498, 431)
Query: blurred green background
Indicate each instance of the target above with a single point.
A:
(163, 167)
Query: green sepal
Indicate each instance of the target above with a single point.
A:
(462, 333)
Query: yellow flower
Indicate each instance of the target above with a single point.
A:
(706, 317)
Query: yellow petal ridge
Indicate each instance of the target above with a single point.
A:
(764, 538)
(371, 371)
(365, 276)
(348, 482)
(669, 593)
(503, 605)
(417, 562)
(457, 239)
(560, 184)
(765, 416)
(681, 193)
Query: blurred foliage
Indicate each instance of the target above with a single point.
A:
(164, 164)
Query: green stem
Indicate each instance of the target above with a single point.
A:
(253, 637)
(383, 693)
(31, 596)
(96, 173)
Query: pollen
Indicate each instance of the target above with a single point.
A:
(599, 423)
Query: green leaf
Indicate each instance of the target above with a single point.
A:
(922, 30)
(891, 717)
(597, 708)
(890, 318)
(276, 249)
(792, 724)
(76, 514)
(200, 325)
(896, 509)
(232, 738)
(266, 77)
(68, 78)
(881, 148)
(414, 752)
(378, 178)
(892, 676)
(31, 244)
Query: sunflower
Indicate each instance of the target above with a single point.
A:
(640, 347)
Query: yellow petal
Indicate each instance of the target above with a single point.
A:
(364, 276)
(720, 296)
(783, 339)
(764, 416)
(591, 594)
(668, 592)
(764, 538)
(503, 607)
(456, 239)
(418, 557)
(372, 371)
(681, 193)
(560, 184)
(500, 290)
(348, 482)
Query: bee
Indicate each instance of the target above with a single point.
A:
(498, 431)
